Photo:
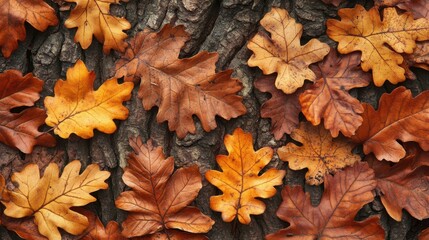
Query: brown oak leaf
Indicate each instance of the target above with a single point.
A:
(180, 88)
(319, 152)
(328, 97)
(159, 199)
(24, 227)
(112, 230)
(419, 8)
(240, 181)
(20, 130)
(283, 53)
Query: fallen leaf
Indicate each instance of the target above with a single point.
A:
(283, 109)
(345, 194)
(59, 194)
(419, 8)
(174, 235)
(399, 116)
(77, 108)
(240, 181)
(159, 199)
(99, 232)
(13, 15)
(420, 57)
(283, 53)
(3, 192)
(328, 97)
(381, 42)
(319, 152)
(92, 17)
(424, 234)
(336, 3)
(20, 130)
(24, 227)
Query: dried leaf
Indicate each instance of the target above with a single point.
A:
(59, 195)
(92, 17)
(419, 8)
(345, 194)
(381, 42)
(77, 108)
(159, 199)
(424, 234)
(174, 235)
(283, 109)
(240, 181)
(328, 97)
(24, 227)
(99, 232)
(283, 53)
(319, 152)
(399, 116)
(20, 130)
(13, 15)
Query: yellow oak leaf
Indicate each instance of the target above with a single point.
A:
(283, 53)
(49, 198)
(77, 108)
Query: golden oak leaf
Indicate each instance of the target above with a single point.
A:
(399, 116)
(283, 53)
(328, 97)
(381, 42)
(13, 15)
(92, 17)
(77, 108)
(180, 88)
(159, 199)
(240, 181)
(344, 195)
(49, 198)
(319, 152)
(20, 130)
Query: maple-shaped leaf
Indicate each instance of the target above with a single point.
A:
(92, 17)
(283, 53)
(319, 152)
(381, 42)
(283, 109)
(20, 130)
(159, 199)
(404, 185)
(49, 198)
(399, 117)
(180, 88)
(112, 230)
(345, 194)
(77, 108)
(240, 181)
(328, 97)
(13, 15)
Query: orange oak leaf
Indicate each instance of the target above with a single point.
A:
(240, 181)
(180, 88)
(20, 130)
(404, 185)
(319, 152)
(283, 109)
(77, 108)
(159, 199)
(92, 17)
(283, 53)
(345, 194)
(112, 230)
(328, 97)
(49, 198)
(381, 42)
(399, 116)
(13, 15)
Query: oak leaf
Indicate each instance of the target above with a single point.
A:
(240, 181)
(345, 194)
(77, 108)
(399, 116)
(381, 42)
(319, 152)
(328, 97)
(92, 17)
(180, 88)
(419, 8)
(283, 53)
(20, 130)
(23, 227)
(283, 109)
(49, 198)
(13, 15)
(159, 199)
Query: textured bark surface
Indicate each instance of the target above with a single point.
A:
(214, 25)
